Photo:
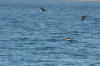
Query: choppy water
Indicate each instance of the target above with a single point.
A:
(31, 38)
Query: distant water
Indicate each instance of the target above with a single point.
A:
(31, 38)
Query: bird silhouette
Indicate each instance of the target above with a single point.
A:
(82, 17)
(42, 9)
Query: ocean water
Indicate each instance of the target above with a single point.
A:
(29, 37)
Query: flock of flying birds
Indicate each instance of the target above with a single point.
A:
(81, 17)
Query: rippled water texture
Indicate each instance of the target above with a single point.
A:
(29, 37)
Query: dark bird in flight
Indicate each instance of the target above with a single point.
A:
(42, 9)
(82, 17)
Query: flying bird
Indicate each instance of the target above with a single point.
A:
(42, 9)
(82, 17)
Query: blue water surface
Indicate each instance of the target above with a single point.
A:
(29, 37)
